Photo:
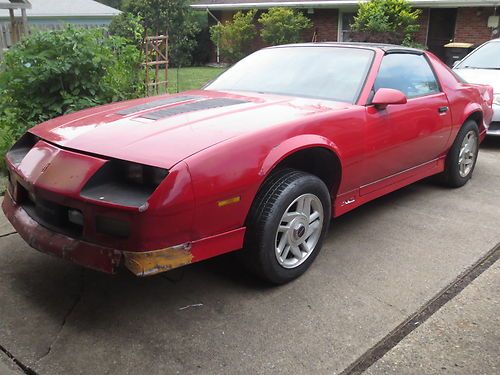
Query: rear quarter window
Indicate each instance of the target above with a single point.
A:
(408, 73)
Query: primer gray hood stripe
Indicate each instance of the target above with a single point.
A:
(191, 107)
(156, 103)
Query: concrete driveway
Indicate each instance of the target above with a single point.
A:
(379, 265)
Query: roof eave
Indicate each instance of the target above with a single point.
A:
(19, 5)
(337, 4)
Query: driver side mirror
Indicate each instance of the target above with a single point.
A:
(384, 97)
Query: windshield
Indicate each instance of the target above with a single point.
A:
(485, 57)
(334, 73)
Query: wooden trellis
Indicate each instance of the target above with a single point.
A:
(156, 56)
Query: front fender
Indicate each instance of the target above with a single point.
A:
(294, 144)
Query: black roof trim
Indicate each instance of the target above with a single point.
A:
(387, 48)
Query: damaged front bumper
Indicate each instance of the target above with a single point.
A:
(108, 260)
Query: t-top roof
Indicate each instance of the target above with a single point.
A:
(387, 48)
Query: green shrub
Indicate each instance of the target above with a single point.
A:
(385, 21)
(234, 38)
(56, 72)
(129, 27)
(173, 17)
(283, 25)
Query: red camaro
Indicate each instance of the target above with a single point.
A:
(258, 160)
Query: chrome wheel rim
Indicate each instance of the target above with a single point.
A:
(299, 231)
(468, 153)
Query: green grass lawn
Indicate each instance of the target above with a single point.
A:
(188, 78)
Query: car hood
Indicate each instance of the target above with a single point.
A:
(164, 130)
(483, 76)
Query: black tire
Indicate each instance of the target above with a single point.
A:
(451, 176)
(276, 195)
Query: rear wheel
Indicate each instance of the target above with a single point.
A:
(286, 226)
(462, 156)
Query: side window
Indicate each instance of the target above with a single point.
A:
(408, 73)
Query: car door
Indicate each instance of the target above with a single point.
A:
(403, 136)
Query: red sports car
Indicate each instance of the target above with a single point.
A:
(258, 160)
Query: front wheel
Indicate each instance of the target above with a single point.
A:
(462, 156)
(286, 226)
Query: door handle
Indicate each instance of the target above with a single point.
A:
(443, 109)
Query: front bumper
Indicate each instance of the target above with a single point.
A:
(83, 253)
(108, 260)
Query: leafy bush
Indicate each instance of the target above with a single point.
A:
(129, 27)
(234, 38)
(173, 17)
(385, 21)
(283, 25)
(56, 72)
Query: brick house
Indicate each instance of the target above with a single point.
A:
(441, 21)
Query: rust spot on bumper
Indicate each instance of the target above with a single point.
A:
(153, 262)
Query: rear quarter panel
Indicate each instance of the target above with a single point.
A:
(464, 99)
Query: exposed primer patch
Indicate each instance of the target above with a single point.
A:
(191, 107)
(155, 103)
(153, 262)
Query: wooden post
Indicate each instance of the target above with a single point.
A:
(24, 17)
(13, 29)
(157, 67)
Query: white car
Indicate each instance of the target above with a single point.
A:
(483, 66)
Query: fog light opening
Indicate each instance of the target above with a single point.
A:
(75, 217)
(112, 227)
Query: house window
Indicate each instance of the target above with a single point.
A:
(346, 19)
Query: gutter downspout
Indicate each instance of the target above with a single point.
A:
(218, 22)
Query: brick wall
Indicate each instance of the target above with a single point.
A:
(472, 25)
(326, 24)
(421, 35)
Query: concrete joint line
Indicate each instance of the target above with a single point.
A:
(376, 352)
(7, 234)
(67, 315)
(26, 369)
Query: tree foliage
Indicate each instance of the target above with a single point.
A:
(174, 17)
(128, 26)
(283, 25)
(51, 73)
(234, 37)
(385, 21)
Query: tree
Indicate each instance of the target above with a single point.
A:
(234, 38)
(283, 25)
(127, 26)
(173, 17)
(385, 21)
